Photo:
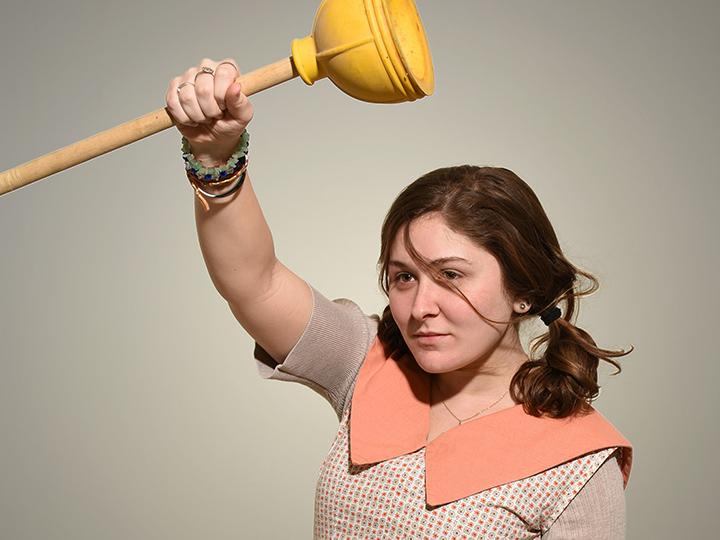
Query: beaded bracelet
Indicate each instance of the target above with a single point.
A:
(213, 174)
(233, 172)
(224, 176)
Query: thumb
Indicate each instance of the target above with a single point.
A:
(235, 101)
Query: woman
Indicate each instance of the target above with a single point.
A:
(447, 428)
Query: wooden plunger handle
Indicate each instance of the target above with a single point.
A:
(129, 132)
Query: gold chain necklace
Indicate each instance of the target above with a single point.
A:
(477, 413)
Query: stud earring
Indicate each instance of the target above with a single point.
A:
(522, 305)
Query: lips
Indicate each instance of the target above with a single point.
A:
(428, 339)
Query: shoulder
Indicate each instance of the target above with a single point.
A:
(329, 352)
(596, 507)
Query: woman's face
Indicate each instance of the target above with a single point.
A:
(441, 330)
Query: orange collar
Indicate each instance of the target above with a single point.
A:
(390, 416)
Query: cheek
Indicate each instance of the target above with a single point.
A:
(398, 309)
(491, 303)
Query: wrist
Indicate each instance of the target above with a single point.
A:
(215, 159)
(214, 154)
(217, 169)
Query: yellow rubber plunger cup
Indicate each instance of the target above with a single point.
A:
(373, 50)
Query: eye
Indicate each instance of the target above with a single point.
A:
(451, 274)
(402, 277)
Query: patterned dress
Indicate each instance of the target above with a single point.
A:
(387, 500)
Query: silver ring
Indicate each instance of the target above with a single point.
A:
(186, 83)
(205, 69)
(230, 63)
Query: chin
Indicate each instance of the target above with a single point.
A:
(434, 361)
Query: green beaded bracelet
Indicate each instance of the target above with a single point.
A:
(211, 174)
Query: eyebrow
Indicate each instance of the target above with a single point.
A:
(436, 262)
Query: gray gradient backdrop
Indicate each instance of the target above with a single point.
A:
(130, 406)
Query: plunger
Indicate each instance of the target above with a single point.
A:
(373, 50)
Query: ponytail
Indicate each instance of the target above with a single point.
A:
(563, 381)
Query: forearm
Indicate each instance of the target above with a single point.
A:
(236, 244)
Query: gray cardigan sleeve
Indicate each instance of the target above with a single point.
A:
(597, 512)
(329, 353)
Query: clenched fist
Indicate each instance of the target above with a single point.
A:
(209, 109)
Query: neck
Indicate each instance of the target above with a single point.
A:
(484, 380)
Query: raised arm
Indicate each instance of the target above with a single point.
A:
(272, 303)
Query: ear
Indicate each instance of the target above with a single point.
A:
(521, 306)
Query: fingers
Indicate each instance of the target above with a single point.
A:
(226, 71)
(172, 98)
(204, 80)
(198, 95)
(188, 98)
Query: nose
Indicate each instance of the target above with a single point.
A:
(425, 304)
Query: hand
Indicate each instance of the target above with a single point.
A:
(212, 112)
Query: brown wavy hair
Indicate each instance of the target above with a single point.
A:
(499, 212)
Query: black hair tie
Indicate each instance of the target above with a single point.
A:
(550, 315)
